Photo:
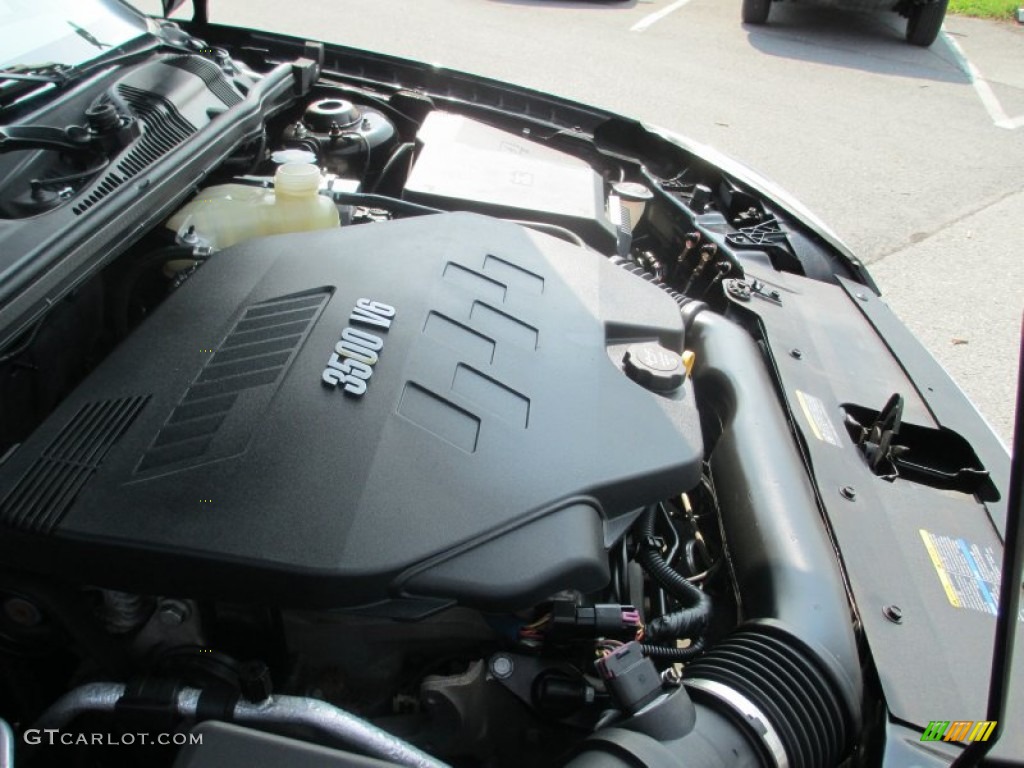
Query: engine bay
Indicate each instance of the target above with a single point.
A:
(438, 459)
(348, 412)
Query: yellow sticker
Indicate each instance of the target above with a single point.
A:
(817, 418)
(933, 553)
(969, 572)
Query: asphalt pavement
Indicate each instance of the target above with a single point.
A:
(913, 156)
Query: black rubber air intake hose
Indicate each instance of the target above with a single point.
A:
(692, 619)
(789, 680)
(784, 689)
(764, 668)
(796, 660)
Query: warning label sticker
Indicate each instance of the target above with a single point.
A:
(817, 418)
(969, 573)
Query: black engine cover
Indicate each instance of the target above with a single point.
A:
(216, 452)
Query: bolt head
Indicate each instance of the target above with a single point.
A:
(738, 289)
(848, 492)
(893, 613)
(797, 354)
(502, 667)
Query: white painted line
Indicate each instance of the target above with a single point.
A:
(982, 88)
(1011, 123)
(657, 16)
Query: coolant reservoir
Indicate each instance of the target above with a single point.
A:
(230, 213)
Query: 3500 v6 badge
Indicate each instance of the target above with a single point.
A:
(356, 353)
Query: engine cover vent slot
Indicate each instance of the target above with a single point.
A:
(254, 354)
(51, 485)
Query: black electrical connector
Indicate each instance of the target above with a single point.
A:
(691, 619)
(631, 678)
(149, 702)
(570, 621)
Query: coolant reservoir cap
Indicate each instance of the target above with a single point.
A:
(297, 179)
(285, 156)
(652, 366)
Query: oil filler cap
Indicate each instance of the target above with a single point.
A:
(654, 367)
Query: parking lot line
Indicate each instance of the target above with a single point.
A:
(657, 16)
(982, 88)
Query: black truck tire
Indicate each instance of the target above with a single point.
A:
(925, 21)
(756, 11)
